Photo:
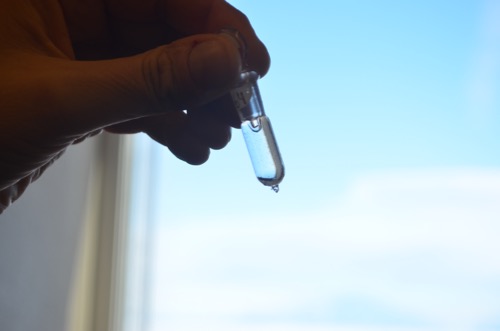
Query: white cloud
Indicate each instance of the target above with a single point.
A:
(423, 243)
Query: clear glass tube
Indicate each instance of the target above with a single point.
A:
(257, 131)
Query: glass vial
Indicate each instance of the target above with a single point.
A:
(257, 131)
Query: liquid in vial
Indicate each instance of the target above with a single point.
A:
(257, 131)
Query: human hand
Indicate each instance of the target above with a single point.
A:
(71, 68)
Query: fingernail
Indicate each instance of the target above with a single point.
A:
(214, 65)
(238, 40)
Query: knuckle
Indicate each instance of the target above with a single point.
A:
(164, 74)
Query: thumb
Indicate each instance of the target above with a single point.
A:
(189, 72)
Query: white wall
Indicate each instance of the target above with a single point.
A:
(39, 236)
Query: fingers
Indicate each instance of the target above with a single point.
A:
(209, 129)
(137, 24)
(190, 137)
(84, 96)
(223, 109)
(212, 16)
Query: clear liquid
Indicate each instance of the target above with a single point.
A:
(263, 150)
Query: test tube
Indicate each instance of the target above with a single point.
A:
(257, 131)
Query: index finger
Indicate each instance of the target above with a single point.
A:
(188, 17)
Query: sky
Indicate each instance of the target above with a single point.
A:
(387, 114)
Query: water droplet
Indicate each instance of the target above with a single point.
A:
(275, 188)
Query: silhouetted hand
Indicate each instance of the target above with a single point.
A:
(71, 68)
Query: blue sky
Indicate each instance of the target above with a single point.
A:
(387, 114)
(357, 86)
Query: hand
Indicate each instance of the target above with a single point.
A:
(72, 68)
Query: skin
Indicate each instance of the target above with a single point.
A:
(72, 68)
